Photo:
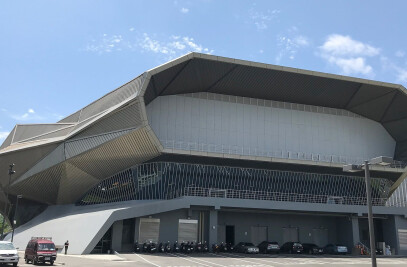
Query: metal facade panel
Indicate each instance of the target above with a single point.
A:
(398, 108)
(24, 160)
(368, 92)
(9, 138)
(78, 146)
(42, 187)
(73, 183)
(53, 158)
(375, 108)
(24, 132)
(115, 97)
(58, 133)
(117, 155)
(125, 118)
(71, 118)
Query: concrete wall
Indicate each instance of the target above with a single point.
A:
(251, 127)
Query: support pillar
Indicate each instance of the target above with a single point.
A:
(355, 230)
(213, 227)
(117, 232)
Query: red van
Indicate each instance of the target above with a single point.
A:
(40, 250)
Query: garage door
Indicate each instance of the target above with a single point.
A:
(320, 237)
(402, 238)
(187, 230)
(258, 234)
(149, 229)
(290, 234)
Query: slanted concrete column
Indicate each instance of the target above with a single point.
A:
(117, 232)
(355, 230)
(213, 227)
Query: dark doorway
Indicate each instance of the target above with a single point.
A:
(230, 234)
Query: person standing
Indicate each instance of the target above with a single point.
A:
(66, 246)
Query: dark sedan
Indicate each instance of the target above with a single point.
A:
(245, 247)
(269, 247)
(312, 248)
(292, 247)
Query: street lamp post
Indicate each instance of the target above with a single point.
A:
(6, 209)
(356, 168)
(14, 216)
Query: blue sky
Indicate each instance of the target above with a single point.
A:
(58, 56)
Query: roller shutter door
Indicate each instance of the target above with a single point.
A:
(187, 230)
(258, 234)
(290, 234)
(320, 237)
(149, 230)
(402, 239)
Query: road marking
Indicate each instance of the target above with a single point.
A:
(144, 259)
(184, 258)
(239, 258)
(199, 259)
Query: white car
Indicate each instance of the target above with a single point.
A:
(8, 253)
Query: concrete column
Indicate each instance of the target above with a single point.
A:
(117, 232)
(355, 230)
(213, 227)
(136, 230)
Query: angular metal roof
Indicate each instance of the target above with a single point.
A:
(112, 133)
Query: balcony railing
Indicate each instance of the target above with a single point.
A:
(249, 151)
(275, 196)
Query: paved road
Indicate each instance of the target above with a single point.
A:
(218, 260)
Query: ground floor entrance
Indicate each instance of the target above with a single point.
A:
(205, 224)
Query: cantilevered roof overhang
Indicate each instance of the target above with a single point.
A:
(382, 102)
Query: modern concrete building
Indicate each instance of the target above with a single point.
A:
(214, 149)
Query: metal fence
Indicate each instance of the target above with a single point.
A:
(168, 180)
(258, 152)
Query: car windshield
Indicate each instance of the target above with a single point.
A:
(274, 243)
(46, 246)
(249, 244)
(297, 244)
(6, 246)
(339, 245)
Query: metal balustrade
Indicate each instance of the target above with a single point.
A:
(238, 150)
(168, 180)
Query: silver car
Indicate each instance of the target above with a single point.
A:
(8, 253)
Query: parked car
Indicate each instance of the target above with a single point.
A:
(246, 247)
(176, 247)
(292, 247)
(335, 249)
(269, 247)
(136, 247)
(312, 249)
(40, 250)
(8, 253)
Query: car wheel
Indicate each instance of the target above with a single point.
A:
(14, 264)
(26, 259)
(51, 262)
(35, 262)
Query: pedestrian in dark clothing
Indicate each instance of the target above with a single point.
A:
(66, 246)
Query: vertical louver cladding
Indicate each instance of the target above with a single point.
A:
(129, 90)
(168, 180)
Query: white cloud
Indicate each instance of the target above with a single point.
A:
(400, 53)
(184, 10)
(290, 44)
(349, 55)
(107, 44)
(132, 29)
(3, 136)
(173, 47)
(31, 110)
(262, 19)
(340, 45)
(399, 72)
